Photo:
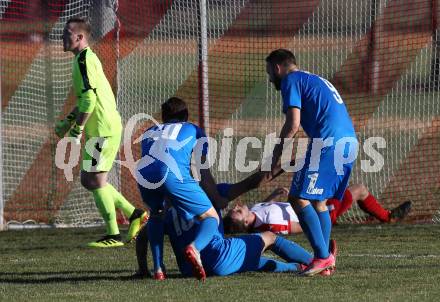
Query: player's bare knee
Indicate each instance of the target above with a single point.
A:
(298, 203)
(93, 181)
(296, 228)
(87, 182)
(268, 239)
(210, 213)
(358, 191)
(320, 205)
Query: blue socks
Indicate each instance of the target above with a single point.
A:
(290, 251)
(271, 265)
(155, 227)
(208, 227)
(309, 220)
(326, 226)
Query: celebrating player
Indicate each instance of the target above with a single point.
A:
(313, 103)
(279, 217)
(167, 149)
(225, 256)
(95, 114)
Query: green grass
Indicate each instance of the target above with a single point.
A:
(376, 263)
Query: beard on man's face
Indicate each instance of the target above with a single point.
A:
(277, 83)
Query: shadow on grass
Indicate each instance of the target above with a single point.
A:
(116, 275)
(62, 273)
(44, 248)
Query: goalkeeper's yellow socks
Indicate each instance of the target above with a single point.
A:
(137, 217)
(120, 202)
(106, 206)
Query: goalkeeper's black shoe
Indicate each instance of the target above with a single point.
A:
(400, 212)
(107, 241)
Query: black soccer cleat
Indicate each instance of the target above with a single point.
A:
(400, 212)
(107, 241)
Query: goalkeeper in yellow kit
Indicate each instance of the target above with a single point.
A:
(96, 116)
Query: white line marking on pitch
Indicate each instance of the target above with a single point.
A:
(392, 256)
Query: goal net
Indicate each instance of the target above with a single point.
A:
(381, 55)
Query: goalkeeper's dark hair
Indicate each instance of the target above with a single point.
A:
(281, 56)
(174, 109)
(81, 24)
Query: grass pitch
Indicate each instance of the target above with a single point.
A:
(375, 263)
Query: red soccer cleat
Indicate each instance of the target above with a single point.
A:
(327, 272)
(334, 252)
(318, 265)
(160, 276)
(192, 255)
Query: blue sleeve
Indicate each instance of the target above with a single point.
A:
(201, 134)
(291, 93)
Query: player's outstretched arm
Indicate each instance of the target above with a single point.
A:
(254, 181)
(208, 184)
(289, 130)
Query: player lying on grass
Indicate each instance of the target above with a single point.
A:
(225, 256)
(96, 115)
(279, 217)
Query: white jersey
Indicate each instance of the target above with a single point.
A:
(276, 217)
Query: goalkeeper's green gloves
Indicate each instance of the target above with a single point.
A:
(61, 127)
(76, 133)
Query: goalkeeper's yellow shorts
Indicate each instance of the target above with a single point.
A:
(99, 153)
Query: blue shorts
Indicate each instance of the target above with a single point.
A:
(187, 197)
(232, 255)
(323, 181)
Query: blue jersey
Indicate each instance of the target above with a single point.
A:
(170, 147)
(165, 168)
(323, 113)
(181, 232)
(222, 256)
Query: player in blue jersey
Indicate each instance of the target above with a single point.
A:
(225, 256)
(315, 104)
(164, 171)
